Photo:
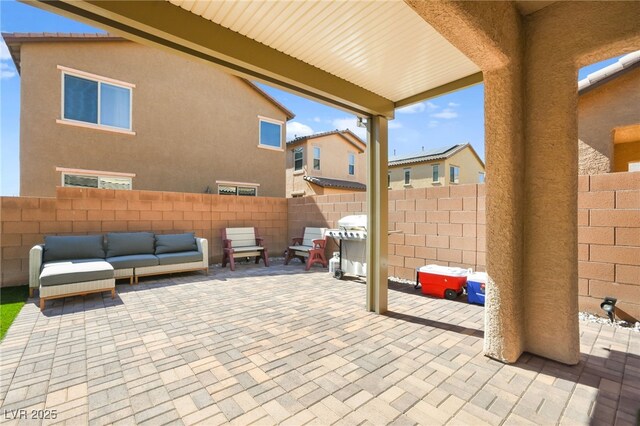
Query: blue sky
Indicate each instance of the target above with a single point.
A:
(454, 118)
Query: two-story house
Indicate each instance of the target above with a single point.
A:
(326, 163)
(609, 118)
(457, 164)
(100, 111)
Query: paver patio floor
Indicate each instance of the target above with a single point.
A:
(280, 345)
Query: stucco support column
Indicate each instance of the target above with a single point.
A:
(504, 150)
(377, 214)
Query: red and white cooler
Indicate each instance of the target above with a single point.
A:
(444, 282)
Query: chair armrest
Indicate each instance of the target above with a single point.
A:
(259, 241)
(203, 247)
(297, 241)
(35, 264)
(319, 243)
(226, 243)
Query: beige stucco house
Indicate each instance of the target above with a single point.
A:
(448, 165)
(101, 111)
(609, 118)
(326, 163)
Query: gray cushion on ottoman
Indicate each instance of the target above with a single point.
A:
(75, 271)
(184, 257)
(173, 243)
(133, 261)
(73, 247)
(126, 243)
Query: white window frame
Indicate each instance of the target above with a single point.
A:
(435, 170)
(350, 156)
(300, 150)
(451, 168)
(633, 166)
(96, 174)
(319, 158)
(238, 185)
(99, 79)
(408, 169)
(272, 121)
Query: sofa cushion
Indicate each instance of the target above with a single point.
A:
(133, 261)
(127, 243)
(182, 257)
(174, 243)
(73, 247)
(75, 271)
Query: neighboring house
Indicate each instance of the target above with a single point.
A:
(609, 118)
(326, 163)
(448, 165)
(100, 111)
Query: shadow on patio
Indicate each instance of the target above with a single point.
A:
(279, 344)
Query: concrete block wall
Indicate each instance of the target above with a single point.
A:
(444, 225)
(609, 242)
(77, 211)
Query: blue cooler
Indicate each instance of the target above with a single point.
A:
(476, 284)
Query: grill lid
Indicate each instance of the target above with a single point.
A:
(353, 222)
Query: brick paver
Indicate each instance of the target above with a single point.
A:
(280, 345)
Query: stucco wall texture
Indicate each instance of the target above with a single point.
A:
(601, 110)
(194, 124)
(422, 173)
(445, 226)
(334, 164)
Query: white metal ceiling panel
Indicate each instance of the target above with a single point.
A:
(382, 46)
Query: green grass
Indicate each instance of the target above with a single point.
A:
(12, 299)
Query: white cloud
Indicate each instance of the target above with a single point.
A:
(350, 123)
(395, 124)
(412, 109)
(297, 129)
(446, 113)
(453, 104)
(4, 51)
(317, 119)
(433, 123)
(6, 71)
(431, 106)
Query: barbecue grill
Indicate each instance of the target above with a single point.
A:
(351, 237)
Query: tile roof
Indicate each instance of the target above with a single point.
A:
(427, 155)
(336, 183)
(331, 132)
(595, 79)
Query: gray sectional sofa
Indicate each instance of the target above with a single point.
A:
(78, 265)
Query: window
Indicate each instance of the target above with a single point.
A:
(634, 166)
(389, 180)
(248, 191)
(436, 173)
(316, 158)
(297, 158)
(95, 181)
(97, 101)
(481, 177)
(352, 164)
(270, 134)
(407, 176)
(454, 174)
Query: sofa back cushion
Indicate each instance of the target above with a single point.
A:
(174, 243)
(73, 247)
(128, 243)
